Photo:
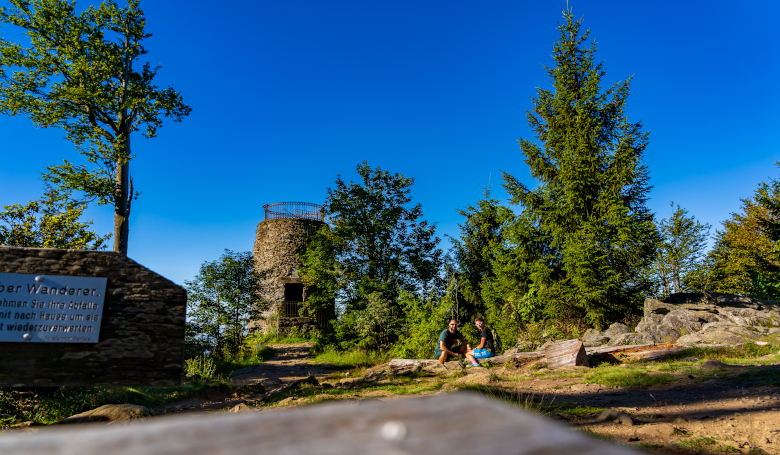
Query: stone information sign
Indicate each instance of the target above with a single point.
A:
(50, 308)
(87, 318)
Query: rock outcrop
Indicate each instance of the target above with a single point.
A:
(695, 318)
(110, 413)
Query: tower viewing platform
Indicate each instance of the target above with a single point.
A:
(293, 210)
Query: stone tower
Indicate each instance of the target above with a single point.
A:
(280, 238)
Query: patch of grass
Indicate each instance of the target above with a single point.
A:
(758, 376)
(677, 367)
(260, 354)
(46, 405)
(704, 445)
(293, 336)
(575, 409)
(626, 377)
(530, 402)
(724, 353)
(352, 358)
(555, 374)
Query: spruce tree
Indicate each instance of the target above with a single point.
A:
(481, 241)
(584, 233)
(679, 265)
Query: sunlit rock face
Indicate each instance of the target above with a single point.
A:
(696, 318)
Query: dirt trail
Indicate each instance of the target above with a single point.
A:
(740, 417)
(289, 364)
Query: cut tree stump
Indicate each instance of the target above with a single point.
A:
(567, 353)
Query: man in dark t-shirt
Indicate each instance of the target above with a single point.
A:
(445, 347)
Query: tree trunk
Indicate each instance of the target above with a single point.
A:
(122, 196)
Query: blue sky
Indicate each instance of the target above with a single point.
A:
(288, 95)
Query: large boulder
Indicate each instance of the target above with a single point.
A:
(655, 310)
(632, 338)
(706, 318)
(749, 317)
(663, 335)
(683, 321)
(616, 329)
(593, 337)
(721, 333)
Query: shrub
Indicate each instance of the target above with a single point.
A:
(200, 366)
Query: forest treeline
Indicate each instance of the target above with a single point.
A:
(580, 249)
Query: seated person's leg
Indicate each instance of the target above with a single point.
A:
(482, 353)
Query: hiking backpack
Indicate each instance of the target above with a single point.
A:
(497, 345)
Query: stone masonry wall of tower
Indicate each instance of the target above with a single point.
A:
(278, 242)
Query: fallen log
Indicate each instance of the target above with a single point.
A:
(406, 366)
(519, 359)
(644, 351)
(567, 353)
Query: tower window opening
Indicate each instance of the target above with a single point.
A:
(293, 292)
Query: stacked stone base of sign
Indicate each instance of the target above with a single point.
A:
(695, 319)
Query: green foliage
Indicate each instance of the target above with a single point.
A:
(292, 336)
(425, 319)
(221, 301)
(79, 73)
(584, 233)
(704, 445)
(200, 366)
(51, 222)
(375, 247)
(354, 358)
(765, 279)
(480, 242)
(320, 272)
(679, 265)
(379, 323)
(535, 334)
(746, 256)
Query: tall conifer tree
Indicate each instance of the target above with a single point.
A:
(481, 240)
(584, 233)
